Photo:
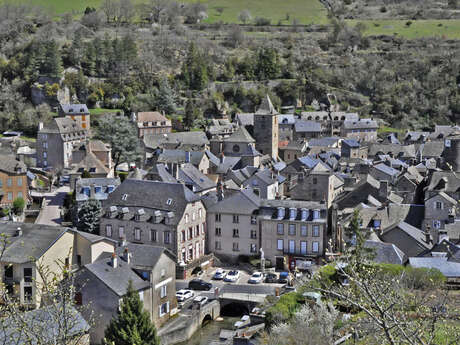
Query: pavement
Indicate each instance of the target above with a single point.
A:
(51, 212)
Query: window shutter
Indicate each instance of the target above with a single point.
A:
(167, 307)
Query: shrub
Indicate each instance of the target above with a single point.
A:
(18, 206)
(261, 21)
(383, 9)
(284, 308)
(408, 23)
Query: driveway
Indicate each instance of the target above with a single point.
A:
(51, 212)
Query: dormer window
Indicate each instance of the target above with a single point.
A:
(124, 197)
(97, 189)
(169, 202)
(125, 210)
(82, 110)
(377, 223)
(110, 189)
(70, 110)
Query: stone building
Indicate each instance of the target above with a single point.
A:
(158, 213)
(362, 129)
(55, 142)
(151, 122)
(78, 113)
(266, 129)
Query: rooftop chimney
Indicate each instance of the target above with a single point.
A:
(127, 255)
(114, 260)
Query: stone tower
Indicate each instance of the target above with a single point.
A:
(266, 128)
(451, 152)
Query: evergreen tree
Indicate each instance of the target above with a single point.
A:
(52, 64)
(165, 100)
(89, 215)
(268, 64)
(359, 252)
(132, 326)
(195, 70)
(189, 116)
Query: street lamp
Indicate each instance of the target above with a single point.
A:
(262, 260)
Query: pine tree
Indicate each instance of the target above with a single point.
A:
(132, 326)
(89, 215)
(52, 64)
(189, 116)
(165, 100)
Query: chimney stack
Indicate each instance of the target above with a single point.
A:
(127, 255)
(114, 260)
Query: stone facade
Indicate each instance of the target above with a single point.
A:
(266, 131)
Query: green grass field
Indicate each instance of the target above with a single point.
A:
(417, 28)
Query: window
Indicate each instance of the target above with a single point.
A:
(377, 223)
(166, 236)
(108, 230)
(253, 220)
(183, 236)
(28, 274)
(280, 245)
(79, 260)
(436, 224)
(218, 247)
(162, 272)
(202, 228)
(236, 233)
(438, 205)
(236, 148)
(218, 217)
(45, 145)
(10, 196)
(124, 197)
(164, 309)
(236, 218)
(315, 232)
(153, 235)
(9, 182)
(280, 229)
(315, 180)
(291, 246)
(235, 247)
(303, 247)
(19, 181)
(315, 247)
(45, 155)
(291, 229)
(169, 202)
(27, 294)
(303, 230)
(163, 291)
(200, 213)
(197, 230)
(45, 163)
(218, 232)
(8, 272)
(253, 248)
(315, 214)
(187, 218)
(137, 234)
(121, 232)
(19, 194)
(193, 216)
(190, 233)
(253, 234)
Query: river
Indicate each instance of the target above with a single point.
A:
(210, 332)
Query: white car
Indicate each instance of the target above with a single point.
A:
(183, 295)
(219, 274)
(256, 278)
(200, 300)
(232, 276)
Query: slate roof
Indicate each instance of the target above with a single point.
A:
(153, 195)
(62, 125)
(386, 169)
(74, 109)
(245, 119)
(449, 269)
(415, 136)
(176, 140)
(449, 179)
(98, 145)
(326, 141)
(266, 107)
(242, 202)
(353, 143)
(229, 163)
(286, 119)
(161, 171)
(11, 166)
(241, 135)
(189, 174)
(179, 156)
(91, 163)
(43, 323)
(417, 234)
(386, 253)
(144, 255)
(405, 151)
(117, 278)
(431, 149)
(307, 126)
(360, 124)
(35, 240)
(445, 197)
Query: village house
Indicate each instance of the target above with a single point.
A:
(362, 129)
(151, 122)
(158, 213)
(13, 181)
(78, 113)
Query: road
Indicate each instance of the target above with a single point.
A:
(51, 212)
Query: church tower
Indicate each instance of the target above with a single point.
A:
(266, 128)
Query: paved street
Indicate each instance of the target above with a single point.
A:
(51, 213)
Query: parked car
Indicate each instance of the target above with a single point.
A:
(232, 276)
(244, 321)
(200, 300)
(219, 274)
(184, 294)
(284, 278)
(199, 284)
(271, 278)
(256, 278)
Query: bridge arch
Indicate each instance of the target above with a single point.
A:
(207, 318)
(234, 308)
